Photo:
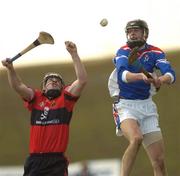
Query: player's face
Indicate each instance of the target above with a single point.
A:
(135, 34)
(53, 83)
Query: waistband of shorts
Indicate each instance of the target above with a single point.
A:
(47, 154)
(135, 101)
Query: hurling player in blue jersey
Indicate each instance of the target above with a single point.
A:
(134, 111)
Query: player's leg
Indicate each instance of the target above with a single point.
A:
(132, 133)
(154, 147)
(153, 140)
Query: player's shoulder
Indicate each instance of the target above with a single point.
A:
(123, 50)
(124, 47)
(154, 49)
(37, 92)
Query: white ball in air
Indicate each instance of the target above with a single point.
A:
(104, 22)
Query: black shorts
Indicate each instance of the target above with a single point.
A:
(46, 164)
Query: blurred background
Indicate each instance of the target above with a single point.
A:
(92, 135)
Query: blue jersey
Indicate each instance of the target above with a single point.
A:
(151, 58)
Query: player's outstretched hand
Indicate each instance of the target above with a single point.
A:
(7, 63)
(71, 47)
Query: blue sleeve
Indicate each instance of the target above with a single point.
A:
(164, 66)
(121, 61)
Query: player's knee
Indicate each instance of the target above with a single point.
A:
(158, 163)
(136, 140)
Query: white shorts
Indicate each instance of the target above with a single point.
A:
(144, 111)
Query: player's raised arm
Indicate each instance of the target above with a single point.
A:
(16, 83)
(81, 74)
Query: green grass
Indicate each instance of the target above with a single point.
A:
(92, 134)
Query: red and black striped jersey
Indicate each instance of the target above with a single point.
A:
(50, 121)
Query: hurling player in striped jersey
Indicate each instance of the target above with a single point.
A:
(134, 111)
(51, 112)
